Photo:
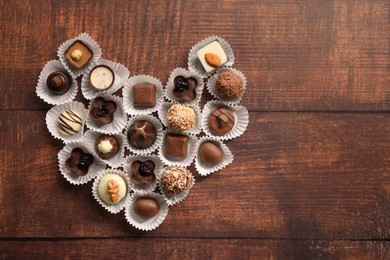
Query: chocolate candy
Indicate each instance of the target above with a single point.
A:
(146, 207)
(176, 146)
(181, 117)
(229, 85)
(79, 162)
(184, 89)
(212, 56)
(144, 95)
(78, 54)
(102, 110)
(69, 123)
(101, 78)
(221, 121)
(175, 180)
(112, 188)
(210, 154)
(142, 134)
(143, 172)
(58, 82)
(107, 146)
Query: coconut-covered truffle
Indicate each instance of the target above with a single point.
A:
(229, 85)
(180, 117)
(175, 180)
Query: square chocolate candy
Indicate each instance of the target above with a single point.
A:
(144, 95)
(176, 146)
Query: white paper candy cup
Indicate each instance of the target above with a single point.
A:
(112, 208)
(193, 61)
(141, 223)
(64, 154)
(159, 138)
(128, 98)
(87, 40)
(227, 158)
(52, 117)
(198, 118)
(157, 171)
(213, 91)
(187, 74)
(175, 198)
(120, 117)
(183, 162)
(121, 74)
(241, 119)
(116, 161)
(45, 94)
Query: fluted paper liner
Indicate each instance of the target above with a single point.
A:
(191, 151)
(157, 171)
(175, 198)
(187, 74)
(87, 40)
(194, 63)
(141, 223)
(159, 131)
(52, 117)
(116, 161)
(120, 117)
(241, 119)
(44, 92)
(198, 118)
(213, 91)
(96, 166)
(121, 74)
(117, 207)
(227, 157)
(128, 98)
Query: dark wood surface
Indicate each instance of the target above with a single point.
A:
(311, 175)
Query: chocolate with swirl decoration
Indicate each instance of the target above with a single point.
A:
(69, 123)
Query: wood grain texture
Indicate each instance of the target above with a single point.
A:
(295, 176)
(297, 55)
(193, 249)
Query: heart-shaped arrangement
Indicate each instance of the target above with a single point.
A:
(137, 147)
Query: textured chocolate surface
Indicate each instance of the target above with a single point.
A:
(210, 154)
(58, 82)
(84, 58)
(146, 207)
(142, 134)
(176, 146)
(143, 172)
(102, 110)
(229, 85)
(221, 121)
(79, 162)
(144, 95)
(184, 89)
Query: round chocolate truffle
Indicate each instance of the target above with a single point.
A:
(58, 82)
(69, 123)
(221, 121)
(229, 85)
(210, 154)
(175, 180)
(101, 78)
(181, 117)
(142, 134)
(112, 188)
(143, 172)
(107, 146)
(146, 207)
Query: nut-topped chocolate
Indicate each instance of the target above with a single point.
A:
(181, 117)
(142, 134)
(144, 95)
(78, 54)
(184, 89)
(212, 56)
(143, 172)
(79, 162)
(107, 146)
(102, 110)
(112, 188)
(101, 78)
(175, 180)
(58, 82)
(221, 121)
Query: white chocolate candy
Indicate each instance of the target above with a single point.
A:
(101, 78)
(117, 191)
(105, 146)
(69, 123)
(214, 48)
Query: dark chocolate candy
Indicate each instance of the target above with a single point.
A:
(78, 54)
(176, 146)
(210, 154)
(184, 89)
(106, 146)
(143, 172)
(58, 82)
(102, 110)
(221, 121)
(142, 134)
(79, 162)
(144, 95)
(146, 207)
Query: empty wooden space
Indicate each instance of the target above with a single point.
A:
(310, 176)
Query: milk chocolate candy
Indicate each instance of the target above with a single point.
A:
(210, 154)
(144, 95)
(221, 121)
(142, 134)
(78, 54)
(176, 146)
(146, 207)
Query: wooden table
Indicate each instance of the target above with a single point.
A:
(311, 175)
